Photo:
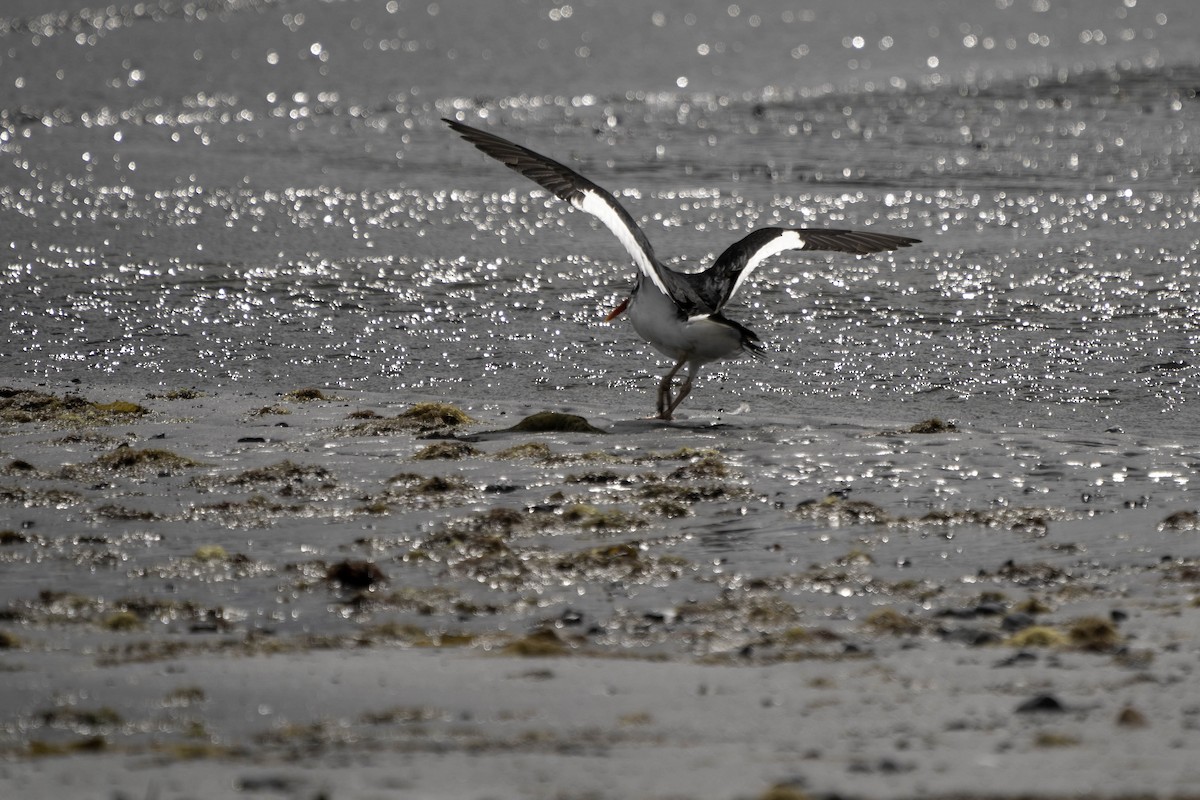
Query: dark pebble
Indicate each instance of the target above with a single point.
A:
(1041, 702)
(252, 440)
(1020, 657)
(355, 574)
(955, 613)
(270, 783)
(975, 637)
(884, 766)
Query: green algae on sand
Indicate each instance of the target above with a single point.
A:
(933, 425)
(26, 405)
(445, 450)
(308, 395)
(125, 458)
(552, 422)
(130, 461)
(417, 417)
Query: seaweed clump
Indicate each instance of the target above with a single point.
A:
(411, 488)
(835, 510)
(891, 621)
(553, 422)
(442, 415)
(131, 461)
(266, 411)
(536, 451)
(210, 552)
(285, 471)
(25, 405)
(176, 394)
(590, 517)
(128, 458)
(933, 425)
(1094, 634)
(1087, 634)
(445, 450)
(541, 643)
(292, 479)
(308, 395)
(1180, 521)
(417, 417)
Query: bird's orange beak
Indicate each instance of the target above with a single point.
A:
(616, 312)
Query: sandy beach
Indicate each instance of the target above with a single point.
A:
(311, 594)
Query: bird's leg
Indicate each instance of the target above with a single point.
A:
(683, 392)
(666, 403)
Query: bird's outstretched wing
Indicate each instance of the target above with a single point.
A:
(568, 185)
(720, 282)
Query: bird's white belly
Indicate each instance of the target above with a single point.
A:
(698, 339)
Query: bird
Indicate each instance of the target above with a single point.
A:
(680, 314)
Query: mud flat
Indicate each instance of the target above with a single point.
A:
(324, 593)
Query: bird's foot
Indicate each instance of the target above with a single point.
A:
(683, 392)
(665, 400)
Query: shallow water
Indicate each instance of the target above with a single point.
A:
(239, 193)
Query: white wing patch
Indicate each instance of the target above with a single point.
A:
(599, 208)
(787, 240)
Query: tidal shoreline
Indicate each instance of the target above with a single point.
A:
(200, 601)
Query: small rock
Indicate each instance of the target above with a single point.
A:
(554, 422)
(1020, 657)
(355, 574)
(1041, 702)
(955, 613)
(270, 783)
(1130, 717)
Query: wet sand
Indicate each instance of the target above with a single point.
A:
(215, 582)
(321, 594)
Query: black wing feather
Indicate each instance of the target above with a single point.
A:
(718, 283)
(566, 184)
